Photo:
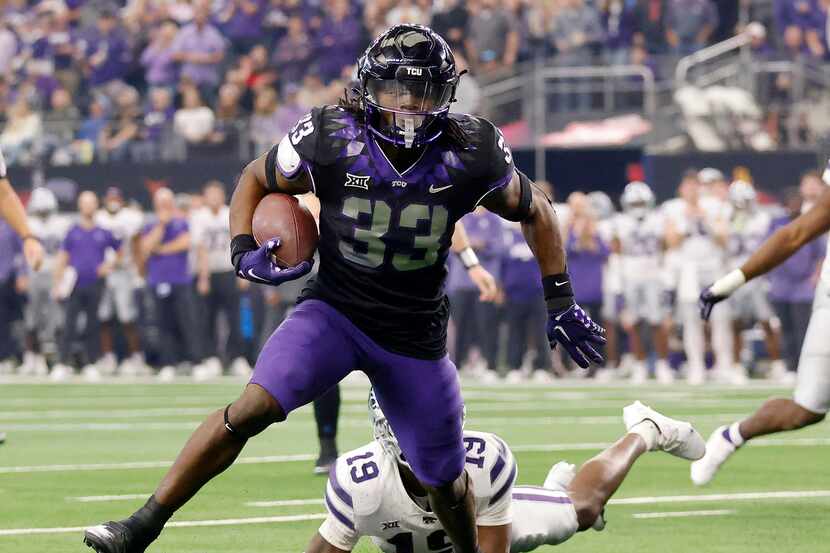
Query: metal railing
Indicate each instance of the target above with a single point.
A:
(539, 87)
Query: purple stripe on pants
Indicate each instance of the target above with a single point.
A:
(337, 514)
(546, 498)
(338, 489)
(317, 346)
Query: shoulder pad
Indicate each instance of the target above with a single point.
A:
(490, 464)
(360, 483)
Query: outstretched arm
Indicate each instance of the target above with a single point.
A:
(11, 211)
(774, 251)
(487, 287)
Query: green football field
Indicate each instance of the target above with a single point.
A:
(79, 454)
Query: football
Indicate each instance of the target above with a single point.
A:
(283, 216)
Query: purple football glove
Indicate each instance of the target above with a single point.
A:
(258, 266)
(577, 333)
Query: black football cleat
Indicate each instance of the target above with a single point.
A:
(324, 463)
(112, 537)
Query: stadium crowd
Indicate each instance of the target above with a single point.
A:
(97, 80)
(122, 291)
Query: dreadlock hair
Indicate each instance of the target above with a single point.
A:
(352, 102)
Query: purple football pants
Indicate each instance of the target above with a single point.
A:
(317, 346)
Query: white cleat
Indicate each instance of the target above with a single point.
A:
(678, 438)
(639, 373)
(167, 374)
(91, 373)
(514, 377)
(60, 373)
(663, 373)
(718, 450)
(241, 368)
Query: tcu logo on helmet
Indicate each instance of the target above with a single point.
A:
(414, 71)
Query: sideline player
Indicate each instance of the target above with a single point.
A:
(811, 399)
(373, 492)
(639, 233)
(393, 172)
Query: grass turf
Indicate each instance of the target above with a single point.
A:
(77, 425)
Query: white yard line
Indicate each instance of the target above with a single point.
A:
(578, 446)
(684, 514)
(714, 497)
(285, 503)
(101, 498)
(175, 524)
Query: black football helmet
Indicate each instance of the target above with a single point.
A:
(407, 83)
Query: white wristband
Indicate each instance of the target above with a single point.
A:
(725, 285)
(468, 257)
(2, 165)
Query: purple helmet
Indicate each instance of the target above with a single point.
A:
(407, 83)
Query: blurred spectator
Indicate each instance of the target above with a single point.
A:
(157, 58)
(524, 305)
(313, 92)
(91, 129)
(293, 52)
(650, 20)
(374, 15)
(793, 283)
(492, 40)
(407, 11)
(476, 322)
(811, 187)
(265, 124)
(451, 23)
(10, 251)
(60, 123)
(107, 54)
(587, 253)
(217, 284)
(193, 121)
(619, 26)
(156, 125)
(575, 31)
(468, 93)
(689, 24)
(165, 244)
(200, 48)
(290, 110)
(119, 133)
(261, 74)
(8, 48)
(84, 253)
(228, 113)
(241, 22)
(22, 133)
(340, 39)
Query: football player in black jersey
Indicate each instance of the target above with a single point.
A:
(393, 171)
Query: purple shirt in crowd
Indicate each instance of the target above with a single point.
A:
(10, 248)
(170, 268)
(521, 278)
(618, 24)
(793, 281)
(586, 268)
(799, 13)
(86, 248)
(485, 231)
(207, 40)
(116, 54)
(159, 64)
(346, 38)
(243, 25)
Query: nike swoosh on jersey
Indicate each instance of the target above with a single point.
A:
(561, 283)
(433, 190)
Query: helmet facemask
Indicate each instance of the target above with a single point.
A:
(382, 432)
(407, 111)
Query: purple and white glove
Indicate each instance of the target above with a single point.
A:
(569, 325)
(256, 263)
(577, 333)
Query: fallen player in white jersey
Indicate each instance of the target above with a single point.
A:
(811, 400)
(372, 492)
